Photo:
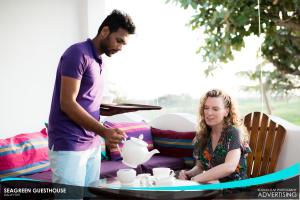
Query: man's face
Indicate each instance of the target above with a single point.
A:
(114, 42)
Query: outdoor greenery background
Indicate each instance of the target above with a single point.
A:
(227, 23)
(224, 28)
(284, 107)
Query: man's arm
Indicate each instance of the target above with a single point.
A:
(69, 91)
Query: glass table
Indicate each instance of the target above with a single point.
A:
(113, 189)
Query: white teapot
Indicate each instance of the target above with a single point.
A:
(135, 152)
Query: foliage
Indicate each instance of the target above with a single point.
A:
(227, 23)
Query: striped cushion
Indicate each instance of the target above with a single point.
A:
(176, 144)
(24, 154)
(132, 129)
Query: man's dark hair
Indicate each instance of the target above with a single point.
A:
(116, 20)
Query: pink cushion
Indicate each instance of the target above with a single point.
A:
(175, 144)
(26, 153)
(132, 129)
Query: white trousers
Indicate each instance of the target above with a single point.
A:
(79, 168)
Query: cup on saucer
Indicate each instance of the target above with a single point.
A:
(162, 172)
(126, 176)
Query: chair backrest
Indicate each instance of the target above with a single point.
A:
(266, 139)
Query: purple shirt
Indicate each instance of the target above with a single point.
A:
(80, 61)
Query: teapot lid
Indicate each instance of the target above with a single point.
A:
(138, 141)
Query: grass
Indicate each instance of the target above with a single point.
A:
(286, 109)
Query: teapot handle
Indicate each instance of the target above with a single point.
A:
(118, 147)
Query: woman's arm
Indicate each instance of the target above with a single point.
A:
(228, 167)
(197, 169)
(187, 174)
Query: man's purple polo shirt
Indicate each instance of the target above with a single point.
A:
(80, 61)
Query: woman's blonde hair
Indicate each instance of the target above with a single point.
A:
(232, 118)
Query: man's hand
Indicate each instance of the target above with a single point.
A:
(113, 136)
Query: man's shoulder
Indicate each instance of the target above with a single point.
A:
(78, 48)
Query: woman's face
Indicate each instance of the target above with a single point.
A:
(214, 111)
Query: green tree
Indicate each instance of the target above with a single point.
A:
(227, 23)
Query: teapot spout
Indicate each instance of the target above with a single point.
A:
(150, 154)
(154, 151)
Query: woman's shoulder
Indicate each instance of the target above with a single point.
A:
(232, 133)
(232, 130)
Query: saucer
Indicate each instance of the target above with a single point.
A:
(128, 184)
(140, 176)
(135, 183)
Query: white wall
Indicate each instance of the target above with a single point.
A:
(290, 148)
(33, 35)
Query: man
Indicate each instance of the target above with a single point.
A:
(74, 116)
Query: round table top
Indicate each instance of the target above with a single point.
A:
(113, 183)
(113, 189)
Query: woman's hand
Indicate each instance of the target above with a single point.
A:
(196, 178)
(183, 175)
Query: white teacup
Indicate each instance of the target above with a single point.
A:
(162, 172)
(126, 176)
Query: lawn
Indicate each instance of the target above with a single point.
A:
(286, 109)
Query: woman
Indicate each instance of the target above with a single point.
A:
(220, 145)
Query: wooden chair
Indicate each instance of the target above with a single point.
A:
(266, 139)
